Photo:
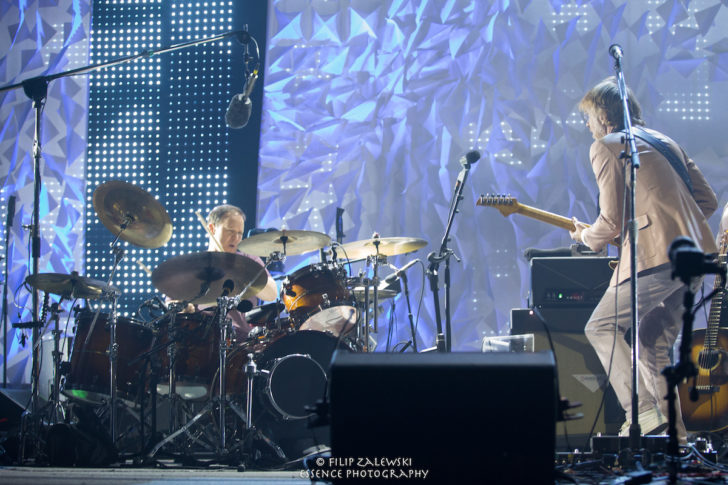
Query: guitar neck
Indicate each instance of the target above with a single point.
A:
(545, 216)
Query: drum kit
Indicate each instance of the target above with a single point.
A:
(271, 379)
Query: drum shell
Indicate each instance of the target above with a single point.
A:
(320, 288)
(197, 351)
(89, 378)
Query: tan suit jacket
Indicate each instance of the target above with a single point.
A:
(664, 207)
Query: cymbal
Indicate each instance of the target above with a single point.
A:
(296, 242)
(209, 272)
(147, 223)
(70, 286)
(383, 246)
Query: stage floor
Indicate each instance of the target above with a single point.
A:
(27, 475)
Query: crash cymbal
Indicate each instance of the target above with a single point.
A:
(70, 286)
(118, 203)
(296, 242)
(185, 277)
(384, 246)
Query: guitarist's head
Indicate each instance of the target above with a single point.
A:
(602, 108)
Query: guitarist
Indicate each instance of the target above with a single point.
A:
(673, 198)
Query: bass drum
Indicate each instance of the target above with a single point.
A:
(295, 375)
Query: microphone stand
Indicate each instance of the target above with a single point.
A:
(443, 342)
(632, 155)
(8, 226)
(403, 277)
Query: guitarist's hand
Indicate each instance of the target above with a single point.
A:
(578, 228)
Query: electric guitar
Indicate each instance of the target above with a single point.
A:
(508, 205)
(710, 411)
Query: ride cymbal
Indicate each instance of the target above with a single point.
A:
(144, 221)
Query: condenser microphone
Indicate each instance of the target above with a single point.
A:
(240, 107)
(615, 50)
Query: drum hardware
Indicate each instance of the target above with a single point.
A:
(224, 305)
(293, 373)
(375, 251)
(254, 282)
(58, 414)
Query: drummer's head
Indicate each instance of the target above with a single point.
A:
(226, 223)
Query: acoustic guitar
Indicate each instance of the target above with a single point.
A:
(710, 411)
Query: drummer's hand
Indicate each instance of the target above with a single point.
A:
(189, 308)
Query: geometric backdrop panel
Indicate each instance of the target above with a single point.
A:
(40, 38)
(369, 105)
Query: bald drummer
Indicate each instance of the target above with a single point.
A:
(225, 225)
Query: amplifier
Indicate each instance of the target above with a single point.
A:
(574, 282)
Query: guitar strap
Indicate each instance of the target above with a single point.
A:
(666, 152)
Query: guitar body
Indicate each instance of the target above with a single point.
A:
(710, 411)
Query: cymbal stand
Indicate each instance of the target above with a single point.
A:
(225, 304)
(172, 354)
(58, 414)
(113, 348)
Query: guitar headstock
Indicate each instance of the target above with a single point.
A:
(506, 204)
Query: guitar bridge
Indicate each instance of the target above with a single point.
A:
(707, 389)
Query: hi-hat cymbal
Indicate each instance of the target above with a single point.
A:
(383, 246)
(185, 277)
(147, 223)
(71, 286)
(294, 242)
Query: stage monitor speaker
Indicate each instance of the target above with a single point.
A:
(12, 403)
(463, 417)
(581, 376)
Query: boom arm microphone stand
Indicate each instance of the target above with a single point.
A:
(37, 90)
(630, 154)
(444, 341)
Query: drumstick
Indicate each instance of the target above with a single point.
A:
(207, 230)
(144, 267)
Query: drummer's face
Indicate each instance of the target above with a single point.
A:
(229, 232)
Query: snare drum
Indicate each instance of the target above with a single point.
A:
(316, 298)
(89, 379)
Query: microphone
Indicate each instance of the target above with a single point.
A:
(240, 107)
(244, 306)
(470, 158)
(11, 212)
(227, 287)
(615, 50)
(398, 273)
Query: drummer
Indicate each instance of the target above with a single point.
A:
(225, 225)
